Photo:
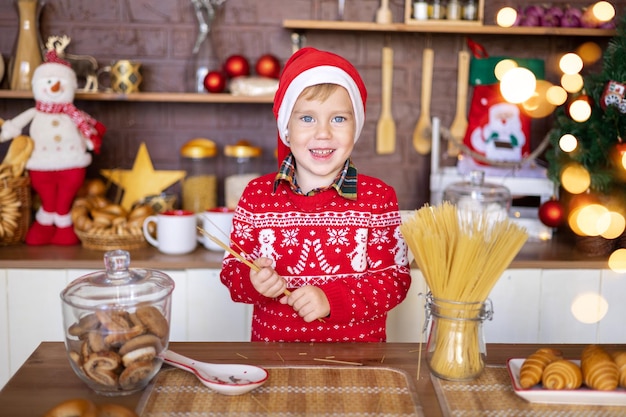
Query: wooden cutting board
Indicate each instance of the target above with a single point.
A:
(386, 128)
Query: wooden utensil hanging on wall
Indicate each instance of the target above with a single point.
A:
(459, 124)
(421, 134)
(386, 128)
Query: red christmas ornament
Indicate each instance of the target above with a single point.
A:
(614, 94)
(236, 66)
(268, 66)
(215, 82)
(551, 213)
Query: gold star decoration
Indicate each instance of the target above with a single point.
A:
(142, 181)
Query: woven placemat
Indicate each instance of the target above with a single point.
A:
(492, 394)
(289, 391)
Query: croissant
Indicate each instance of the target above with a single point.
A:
(562, 374)
(620, 360)
(599, 370)
(532, 368)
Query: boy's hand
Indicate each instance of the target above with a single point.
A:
(266, 281)
(309, 302)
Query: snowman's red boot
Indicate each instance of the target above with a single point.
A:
(40, 234)
(64, 234)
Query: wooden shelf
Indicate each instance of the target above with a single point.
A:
(153, 97)
(468, 28)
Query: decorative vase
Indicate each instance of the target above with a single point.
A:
(27, 54)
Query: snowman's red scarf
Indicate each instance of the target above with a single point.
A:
(82, 120)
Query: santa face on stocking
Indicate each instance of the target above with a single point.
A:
(62, 136)
(502, 138)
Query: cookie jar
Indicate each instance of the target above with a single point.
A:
(200, 185)
(476, 195)
(243, 160)
(117, 323)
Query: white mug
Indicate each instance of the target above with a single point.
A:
(175, 231)
(217, 222)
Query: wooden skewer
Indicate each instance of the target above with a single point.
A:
(229, 249)
(240, 257)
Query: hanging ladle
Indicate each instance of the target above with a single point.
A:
(227, 379)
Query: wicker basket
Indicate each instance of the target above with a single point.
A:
(21, 187)
(111, 242)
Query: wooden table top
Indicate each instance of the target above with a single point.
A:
(47, 379)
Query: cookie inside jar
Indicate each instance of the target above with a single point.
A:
(117, 322)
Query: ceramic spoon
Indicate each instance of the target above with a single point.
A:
(227, 379)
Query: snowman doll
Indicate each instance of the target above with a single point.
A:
(62, 137)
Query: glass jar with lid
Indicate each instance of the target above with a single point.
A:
(477, 196)
(242, 165)
(117, 324)
(200, 184)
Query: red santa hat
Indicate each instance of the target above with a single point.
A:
(307, 67)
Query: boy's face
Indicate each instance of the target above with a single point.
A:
(321, 138)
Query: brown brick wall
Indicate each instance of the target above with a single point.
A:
(160, 33)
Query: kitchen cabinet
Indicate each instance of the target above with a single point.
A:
(531, 305)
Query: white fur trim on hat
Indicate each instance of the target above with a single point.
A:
(324, 74)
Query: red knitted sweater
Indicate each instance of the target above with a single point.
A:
(352, 249)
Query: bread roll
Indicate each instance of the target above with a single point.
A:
(599, 370)
(620, 360)
(532, 368)
(562, 374)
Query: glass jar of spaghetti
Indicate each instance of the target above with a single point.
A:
(243, 165)
(200, 184)
(456, 348)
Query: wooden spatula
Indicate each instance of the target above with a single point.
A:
(459, 123)
(421, 133)
(386, 128)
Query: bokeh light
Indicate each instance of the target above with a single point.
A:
(568, 142)
(503, 67)
(580, 110)
(556, 95)
(589, 307)
(506, 17)
(616, 224)
(617, 261)
(572, 83)
(571, 63)
(575, 179)
(518, 85)
(603, 11)
(537, 105)
(589, 52)
(591, 220)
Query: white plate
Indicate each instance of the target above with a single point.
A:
(586, 396)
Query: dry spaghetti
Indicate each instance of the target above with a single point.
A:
(461, 256)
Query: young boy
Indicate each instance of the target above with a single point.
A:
(331, 260)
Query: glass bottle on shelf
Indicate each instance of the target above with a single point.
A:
(470, 10)
(453, 10)
(242, 167)
(200, 184)
(436, 10)
(420, 10)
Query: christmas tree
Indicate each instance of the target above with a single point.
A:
(601, 139)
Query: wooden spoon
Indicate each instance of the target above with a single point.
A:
(386, 128)
(459, 124)
(421, 133)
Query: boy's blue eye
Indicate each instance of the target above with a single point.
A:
(339, 119)
(307, 119)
